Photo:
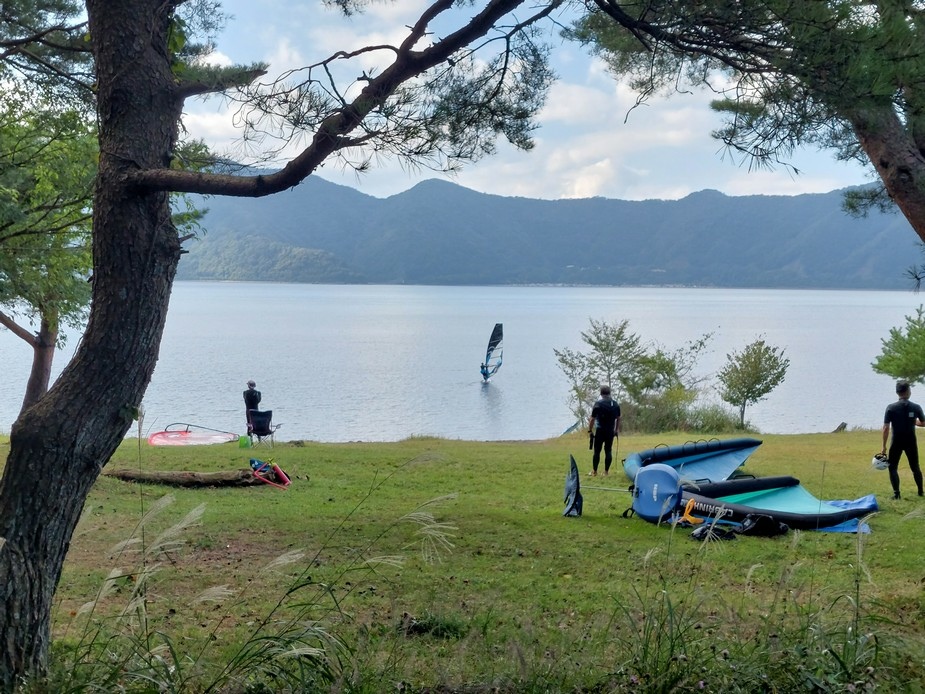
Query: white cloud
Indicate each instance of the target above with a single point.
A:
(591, 142)
(589, 181)
(217, 58)
(284, 56)
(575, 104)
(215, 127)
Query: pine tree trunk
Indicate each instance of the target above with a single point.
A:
(59, 446)
(43, 356)
(897, 159)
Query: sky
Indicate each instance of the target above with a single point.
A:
(589, 142)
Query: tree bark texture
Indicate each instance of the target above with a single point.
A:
(183, 478)
(892, 150)
(43, 356)
(59, 445)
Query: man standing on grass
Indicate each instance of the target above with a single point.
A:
(251, 402)
(604, 426)
(903, 416)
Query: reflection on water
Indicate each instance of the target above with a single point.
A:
(381, 363)
(492, 395)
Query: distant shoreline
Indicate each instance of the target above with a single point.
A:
(542, 285)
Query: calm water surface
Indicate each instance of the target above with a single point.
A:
(381, 363)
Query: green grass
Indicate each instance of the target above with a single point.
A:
(496, 589)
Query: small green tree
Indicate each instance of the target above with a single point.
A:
(656, 387)
(662, 390)
(48, 162)
(47, 167)
(903, 352)
(581, 383)
(748, 376)
(613, 354)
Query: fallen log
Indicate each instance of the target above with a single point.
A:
(181, 478)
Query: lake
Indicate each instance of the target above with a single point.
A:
(381, 363)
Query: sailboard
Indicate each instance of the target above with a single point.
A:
(698, 461)
(783, 498)
(183, 434)
(493, 354)
(659, 495)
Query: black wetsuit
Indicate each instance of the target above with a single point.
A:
(251, 402)
(605, 412)
(902, 416)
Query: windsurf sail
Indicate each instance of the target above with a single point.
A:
(697, 461)
(493, 354)
(573, 501)
(182, 434)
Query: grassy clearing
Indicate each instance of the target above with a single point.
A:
(480, 583)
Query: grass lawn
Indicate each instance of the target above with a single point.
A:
(447, 565)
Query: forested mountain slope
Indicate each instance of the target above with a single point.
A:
(441, 233)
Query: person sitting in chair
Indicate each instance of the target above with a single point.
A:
(251, 402)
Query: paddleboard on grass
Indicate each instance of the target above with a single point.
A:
(181, 434)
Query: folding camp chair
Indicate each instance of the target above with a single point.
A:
(262, 427)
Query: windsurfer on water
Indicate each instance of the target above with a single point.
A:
(493, 354)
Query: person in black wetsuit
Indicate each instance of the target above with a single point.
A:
(251, 402)
(903, 416)
(604, 426)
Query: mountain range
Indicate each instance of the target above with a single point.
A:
(441, 233)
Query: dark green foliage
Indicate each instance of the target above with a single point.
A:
(902, 354)
(42, 44)
(666, 413)
(250, 258)
(499, 98)
(47, 166)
